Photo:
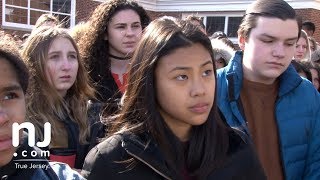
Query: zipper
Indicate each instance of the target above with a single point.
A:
(148, 165)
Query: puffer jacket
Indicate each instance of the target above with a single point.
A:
(113, 157)
(297, 116)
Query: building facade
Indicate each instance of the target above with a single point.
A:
(218, 15)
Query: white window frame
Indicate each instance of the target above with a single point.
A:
(28, 27)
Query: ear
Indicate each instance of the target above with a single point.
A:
(241, 41)
(105, 37)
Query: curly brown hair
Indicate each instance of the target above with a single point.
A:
(93, 48)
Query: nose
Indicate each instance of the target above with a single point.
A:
(300, 49)
(130, 31)
(3, 117)
(66, 64)
(198, 88)
(279, 50)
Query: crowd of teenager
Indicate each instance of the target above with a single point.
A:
(128, 97)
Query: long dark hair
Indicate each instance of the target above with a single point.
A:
(93, 48)
(208, 142)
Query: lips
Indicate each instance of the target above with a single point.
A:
(275, 63)
(65, 77)
(130, 44)
(5, 142)
(200, 108)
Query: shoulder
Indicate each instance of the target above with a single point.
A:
(103, 158)
(304, 93)
(110, 146)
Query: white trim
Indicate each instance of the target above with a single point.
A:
(28, 27)
(16, 26)
(29, 13)
(73, 13)
(3, 11)
(226, 21)
(216, 5)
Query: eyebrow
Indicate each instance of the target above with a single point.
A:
(187, 68)
(12, 88)
(117, 24)
(272, 37)
(53, 52)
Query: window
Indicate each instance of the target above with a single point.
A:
(227, 24)
(23, 14)
(214, 24)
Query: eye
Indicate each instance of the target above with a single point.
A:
(72, 56)
(182, 77)
(208, 72)
(120, 27)
(136, 26)
(55, 56)
(266, 41)
(10, 95)
(289, 44)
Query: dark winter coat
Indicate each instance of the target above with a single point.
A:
(113, 157)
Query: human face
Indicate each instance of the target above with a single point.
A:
(61, 68)
(12, 109)
(315, 78)
(301, 49)
(312, 47)
(219, 63)
(185, 84)
(269, 49)
(124, 32)
(309, 32)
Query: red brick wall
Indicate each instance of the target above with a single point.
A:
(311, 15)
(84, 8)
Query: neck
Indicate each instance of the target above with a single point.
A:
(119, 67)
(120, 58)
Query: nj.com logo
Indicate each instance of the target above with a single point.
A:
(31, 139)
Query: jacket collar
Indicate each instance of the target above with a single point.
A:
(289, 79)
(145, 150)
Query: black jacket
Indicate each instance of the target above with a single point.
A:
(113, 157)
